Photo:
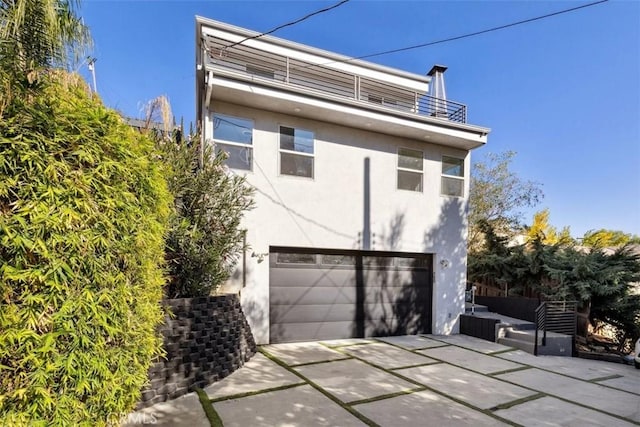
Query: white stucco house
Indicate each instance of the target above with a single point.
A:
(361, 175)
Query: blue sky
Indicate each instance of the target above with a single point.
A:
(563, 92)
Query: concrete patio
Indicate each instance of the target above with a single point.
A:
(409, 381)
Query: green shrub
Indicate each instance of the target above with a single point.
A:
(83, 210)
(603, 284)
(205, 237)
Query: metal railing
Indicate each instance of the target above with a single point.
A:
(541, 323)
(258, 65)
(555, 316)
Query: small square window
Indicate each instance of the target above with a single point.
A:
(452, 183)
(410, 169)
(296, 152)
(232, 129)
(452, 166)
(410, 159)
(234, 135)
(452, 186)
(237, 157)
(409, 181)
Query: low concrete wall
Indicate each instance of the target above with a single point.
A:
(479, 327)
(206, 339)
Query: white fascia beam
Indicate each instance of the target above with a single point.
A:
(209, 84)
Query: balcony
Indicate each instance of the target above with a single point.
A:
(322, 77)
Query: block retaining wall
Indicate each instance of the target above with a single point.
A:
(206, 339)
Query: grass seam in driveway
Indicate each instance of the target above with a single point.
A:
(509, 350)
(592, 381)
(343, 350)
(423, 387)
(574, 402)
(487, 374)
(334, 399)
(513, 403)
(508, 371)
(524, 366)
(388, 396)
(608, 377)
(253, 393)
(413, 350)
(434, 362)
(461, 402)
(209, 410)
(491, 353)
(335, 346)
(528, 366)
(320, 362)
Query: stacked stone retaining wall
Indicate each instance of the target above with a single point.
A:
(205, 339)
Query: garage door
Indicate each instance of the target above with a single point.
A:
(324, 294)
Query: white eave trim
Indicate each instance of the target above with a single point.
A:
(209, 84)
(474, 135)
(278, 90)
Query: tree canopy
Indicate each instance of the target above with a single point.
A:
(602, 283)
(41, 33)
(497, 196)
(608, 238)
(547, 233)
(204, 240)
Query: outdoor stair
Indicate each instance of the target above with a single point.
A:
(556, 344)
(477, 308)
(520, 334)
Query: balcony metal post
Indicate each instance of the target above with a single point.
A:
(356, 86)
(286, 79)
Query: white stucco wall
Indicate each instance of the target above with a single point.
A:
(328, 210)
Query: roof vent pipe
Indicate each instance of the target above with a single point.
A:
(438, 100)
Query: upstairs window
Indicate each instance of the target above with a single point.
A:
(296, 152)
(234, 135)
(452, 176)
(410, 169)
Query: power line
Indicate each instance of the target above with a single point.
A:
(288, 24)
(501, 27)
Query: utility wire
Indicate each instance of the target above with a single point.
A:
(464, 36)
(288, 24)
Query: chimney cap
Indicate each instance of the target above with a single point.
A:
(436, 68)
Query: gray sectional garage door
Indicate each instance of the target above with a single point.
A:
(323, 294)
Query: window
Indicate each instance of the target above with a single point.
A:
(409, 169)
(417, 262)
(338, 260)
(234, 136)
(296, 152)
(452, 176)
(286, 258)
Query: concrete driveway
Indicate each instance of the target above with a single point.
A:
(409, 381)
